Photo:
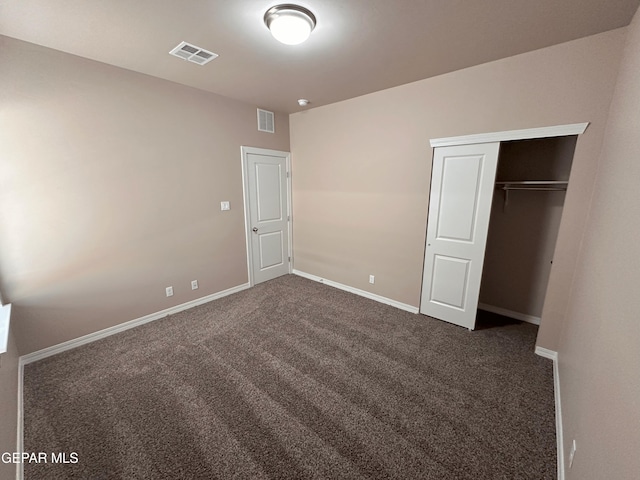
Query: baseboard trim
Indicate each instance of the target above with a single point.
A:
(357, 291)
(92, 337)
(510, 313)
(546, 353)
(550, 354)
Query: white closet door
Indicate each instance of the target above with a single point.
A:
(462, 184)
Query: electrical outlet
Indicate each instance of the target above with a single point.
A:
(169, 291)
(572, 453)
(225, 206)
(372, 279)
(194, 284)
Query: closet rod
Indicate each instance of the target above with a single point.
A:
(546, 189)
(537, 186)
(534, 182)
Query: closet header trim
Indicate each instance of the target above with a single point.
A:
(526, 134)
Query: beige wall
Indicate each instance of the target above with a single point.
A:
(361, 168)
(110, 186)
(8, 406)
(599, 352)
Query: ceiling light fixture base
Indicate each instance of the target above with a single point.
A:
(290, 24)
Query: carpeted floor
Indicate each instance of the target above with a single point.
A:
(295, 379)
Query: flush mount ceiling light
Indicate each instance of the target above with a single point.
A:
(290, 24)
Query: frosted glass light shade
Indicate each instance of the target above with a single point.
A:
(290, 24)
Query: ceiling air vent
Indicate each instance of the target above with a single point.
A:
(265, 121)
(194, 54)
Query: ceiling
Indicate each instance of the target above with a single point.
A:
(358, 46)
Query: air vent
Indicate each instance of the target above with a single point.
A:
(265, 121)
(194, 54)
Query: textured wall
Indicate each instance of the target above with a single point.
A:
(110, 186)
(361, 168)
(600, 348)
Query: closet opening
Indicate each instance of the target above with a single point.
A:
(531, 181)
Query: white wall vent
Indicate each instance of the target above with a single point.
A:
(194, 54)
(265, 121)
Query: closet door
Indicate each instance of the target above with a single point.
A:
(462, 184)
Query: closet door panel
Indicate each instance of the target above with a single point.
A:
(451, 273)
(458, 197)
(462, 184)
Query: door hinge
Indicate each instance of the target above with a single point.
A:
(289, 259)
(288, 218)
(288, 174)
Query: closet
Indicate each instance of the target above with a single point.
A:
(531, 183)
(494, 214)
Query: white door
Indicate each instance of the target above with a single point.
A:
(267, 198)
(462, 184)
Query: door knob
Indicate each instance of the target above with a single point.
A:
(255, 229)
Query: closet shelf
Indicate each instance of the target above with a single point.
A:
(535, 185)
(551, 185)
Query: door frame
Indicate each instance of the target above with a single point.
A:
(503, 136)
(245, 151)
(508, 135)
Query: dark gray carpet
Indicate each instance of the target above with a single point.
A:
(295, 379)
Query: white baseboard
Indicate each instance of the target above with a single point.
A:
(546, 353)
(92, 337)
(510, 313)
(357, 291)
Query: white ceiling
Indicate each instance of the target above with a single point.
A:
(358, 46)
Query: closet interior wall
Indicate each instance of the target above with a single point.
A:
(524, 226)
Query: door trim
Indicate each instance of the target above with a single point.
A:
(245, 151)
(526, 134)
